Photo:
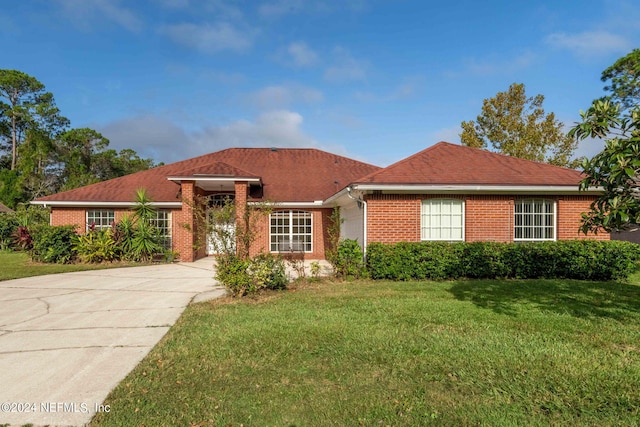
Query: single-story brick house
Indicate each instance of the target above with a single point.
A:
(445, 192)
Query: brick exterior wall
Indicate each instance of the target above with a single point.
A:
(396, 217)
(320, 220)
(568, 223)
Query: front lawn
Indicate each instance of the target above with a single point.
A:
(16, 265)
(468, 352)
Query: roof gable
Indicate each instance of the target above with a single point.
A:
(450, 164)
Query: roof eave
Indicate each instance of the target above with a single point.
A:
(103, 203)
(474, 188)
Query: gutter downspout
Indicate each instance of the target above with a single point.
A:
(364, 231)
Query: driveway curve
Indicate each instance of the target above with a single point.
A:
(66, 340)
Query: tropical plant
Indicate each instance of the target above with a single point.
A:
(96, 246)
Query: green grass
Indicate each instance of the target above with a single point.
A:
(16, 265)
(536, 352)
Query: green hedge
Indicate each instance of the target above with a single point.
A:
(574, 259)
(53, 244)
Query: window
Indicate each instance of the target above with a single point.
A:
(290, 231)
(535, 219)
(442, 219)
(162, 222)
(100, 218)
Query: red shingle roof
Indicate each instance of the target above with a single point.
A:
(288, 175)
(450, 164)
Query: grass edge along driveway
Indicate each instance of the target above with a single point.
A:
(465, 352)
(18, 265)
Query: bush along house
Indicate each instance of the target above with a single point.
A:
(446, 192)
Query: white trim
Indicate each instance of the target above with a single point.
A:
(80, 204)
(440, 188)
(315, 204)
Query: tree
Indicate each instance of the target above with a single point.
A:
(616, 169)
(77, 152)
(515, 125)
(624, 76)
(24, 105)
(614, 118)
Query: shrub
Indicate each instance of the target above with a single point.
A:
(231, 272)
(347, 260)
(22, 238)
(248, 276)
(576, 259)
(267, 272)
(53, 244)
(8, 226)
(96, 246)
(415, 260)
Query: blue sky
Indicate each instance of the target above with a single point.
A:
(375, 80)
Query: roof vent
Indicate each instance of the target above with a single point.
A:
(274, 149)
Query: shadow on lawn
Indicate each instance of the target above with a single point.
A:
(619, 301)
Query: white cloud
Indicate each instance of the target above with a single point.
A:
(450, 134)
(589, 43)
(280, 128)
(272, 97)
(162, 140)
(84, 14)
(302, 55)
(209, 38)
(150, 135)
(345, 68)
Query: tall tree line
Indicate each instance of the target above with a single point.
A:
(41, 154)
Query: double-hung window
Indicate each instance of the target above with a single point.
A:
(98, 219)
(534, 220)
(442, 219)
(290, 231)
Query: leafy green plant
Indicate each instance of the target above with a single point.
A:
(248, 276)
(231, 272)
(53, 244)
(96, 246)
(8, 226)
(315, 268)
(348, 261)
(145, 242)
(267, 271)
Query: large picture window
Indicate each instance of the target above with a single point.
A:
(442, 219)
(162, 222)
(100, 218)
(291, 231)
(535, 220)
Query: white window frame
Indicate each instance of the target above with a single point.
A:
(162, 222)
(103, 218)
(280, 230)
(426, 215)
(533, 220)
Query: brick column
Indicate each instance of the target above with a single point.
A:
(241, 189)
(186, 232)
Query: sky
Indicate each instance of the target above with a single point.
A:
(375, 80)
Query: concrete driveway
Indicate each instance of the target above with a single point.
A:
(67, 340)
